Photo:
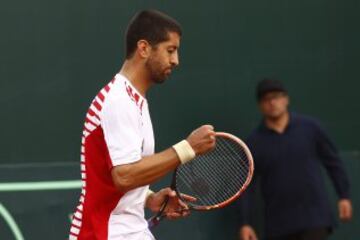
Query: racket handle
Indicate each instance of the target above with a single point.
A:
(154, 221)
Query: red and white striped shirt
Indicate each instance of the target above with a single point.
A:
(117, 131)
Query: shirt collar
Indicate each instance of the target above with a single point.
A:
(292, 117)
(132, 92)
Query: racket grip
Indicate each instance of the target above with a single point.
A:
(154, 221)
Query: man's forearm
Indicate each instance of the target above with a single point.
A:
(145, 171)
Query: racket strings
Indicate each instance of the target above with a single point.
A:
(230, 183)
(223, 191)
(241, 157)
(216, 176)
(203, 189)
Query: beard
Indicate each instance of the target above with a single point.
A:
(276, 115)
(156, 71)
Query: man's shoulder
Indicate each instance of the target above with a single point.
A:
(254, 134)
(117, 101)
(117, 94)
(308, 120)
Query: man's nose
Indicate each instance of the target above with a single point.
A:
(174, 60)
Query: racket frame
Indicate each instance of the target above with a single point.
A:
(237, 194)
(154, 221)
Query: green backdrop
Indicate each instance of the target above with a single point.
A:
(56, 55)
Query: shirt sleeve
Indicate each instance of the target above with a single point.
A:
(333, 163)
(121, 126)
(245, 203)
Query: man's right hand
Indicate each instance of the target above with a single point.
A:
(202, 140)
(247, 233)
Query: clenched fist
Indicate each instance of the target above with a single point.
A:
(202, 140)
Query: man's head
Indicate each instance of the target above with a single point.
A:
(155, 38)
(272, 98)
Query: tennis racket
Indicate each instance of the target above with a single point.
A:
(215, 178)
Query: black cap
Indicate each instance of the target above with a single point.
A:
(269, 85)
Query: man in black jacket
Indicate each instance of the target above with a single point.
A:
(289, 150)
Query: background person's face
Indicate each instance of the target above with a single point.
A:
(274, 104)
(164, 57)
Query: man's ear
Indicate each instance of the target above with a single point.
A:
(143, 48)
(288, 100)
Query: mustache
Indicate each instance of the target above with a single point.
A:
(171, 68)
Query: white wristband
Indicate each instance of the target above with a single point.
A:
(184, 151)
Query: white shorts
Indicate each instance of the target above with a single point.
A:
(145, 235)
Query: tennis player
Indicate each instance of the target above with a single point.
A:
(117, 154)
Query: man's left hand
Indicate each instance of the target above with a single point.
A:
(175, 207)
(345, 210)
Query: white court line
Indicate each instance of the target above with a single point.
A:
(40, 186)
(11, 222)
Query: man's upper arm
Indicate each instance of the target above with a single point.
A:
(334, 165)
(121, 128)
